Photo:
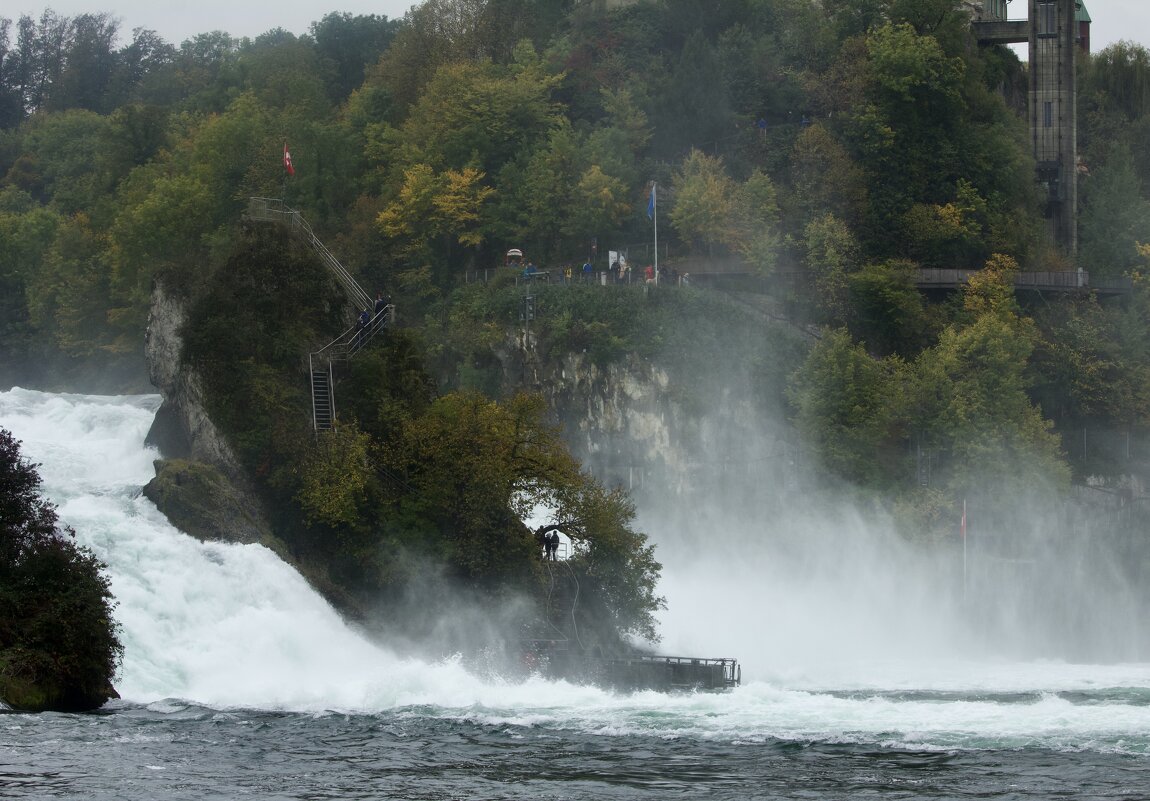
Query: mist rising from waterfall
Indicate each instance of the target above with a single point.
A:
(766, 559)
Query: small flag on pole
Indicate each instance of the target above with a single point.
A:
(651, 203)
(287, 160)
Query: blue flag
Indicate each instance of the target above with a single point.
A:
(651, 204)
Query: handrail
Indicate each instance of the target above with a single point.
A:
(353, 340)
(274, 210)
(342, 348)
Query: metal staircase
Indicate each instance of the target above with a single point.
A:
(268, 209)
(350, 342)
(322, 397)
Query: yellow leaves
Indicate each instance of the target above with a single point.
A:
(335, 477)
(991, 289)
(432, 205)
(948, 234)
(704, 200)
(711, 208)
(602, 197)
(460, 201)
(415, 200)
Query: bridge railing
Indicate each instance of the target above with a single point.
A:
(671, 672)
(1051, 280)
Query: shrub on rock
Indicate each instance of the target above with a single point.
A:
(59, 646)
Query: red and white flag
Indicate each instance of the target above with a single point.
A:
(287, 161)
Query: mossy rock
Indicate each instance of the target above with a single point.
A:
(24, 694)
(199, 500)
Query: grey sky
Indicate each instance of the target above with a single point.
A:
(177, 20)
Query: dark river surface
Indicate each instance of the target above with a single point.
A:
(240, 682)
(173, 751)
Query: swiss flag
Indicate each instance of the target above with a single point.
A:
(287, 161)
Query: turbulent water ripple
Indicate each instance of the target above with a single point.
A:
(191, 752)
(242, 683)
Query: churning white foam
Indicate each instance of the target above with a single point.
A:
(233, 626)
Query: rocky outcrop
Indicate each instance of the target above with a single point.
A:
(49, 693)
(182, 424)
(199, 500)
(633, 425)
(203, 489)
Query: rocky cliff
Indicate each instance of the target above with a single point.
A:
(653, 429)
(200, 484)
(635, 424)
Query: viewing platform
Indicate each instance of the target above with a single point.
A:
(669, 673)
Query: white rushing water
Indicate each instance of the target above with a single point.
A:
(232, 626)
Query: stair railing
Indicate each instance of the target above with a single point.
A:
(268, 209)
(351, 341)
(341, 349)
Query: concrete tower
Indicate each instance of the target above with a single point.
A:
(1054, 30)
(1053, 116)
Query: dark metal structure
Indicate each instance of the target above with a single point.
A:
(1055, 32)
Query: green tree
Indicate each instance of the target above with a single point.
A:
(695, 97)
(69, 296)
(26, 235)
(283, 72)
(1115, 217)
(971, 396)
(480, 115)
(703, 211)
(470, 470)
(1121, 74)
(435, 212)
(89, 65)
(951, 234)
(913, 132)
(59, 646)
(67, 151)
(612, 561)
(756, 236)
(843, 399)
(438, 33)
(335, 477)
(347, 46)
(887, 311)
(824, 178)
(831, 254)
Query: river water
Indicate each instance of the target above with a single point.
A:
(240, 682)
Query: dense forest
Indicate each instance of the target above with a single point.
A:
(828, 148)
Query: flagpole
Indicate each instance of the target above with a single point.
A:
(655, 206)
(964, 551)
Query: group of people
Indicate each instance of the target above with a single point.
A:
(550, 544)
(363, 320)
(618, 273)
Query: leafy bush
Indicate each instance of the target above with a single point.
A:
(59, 647)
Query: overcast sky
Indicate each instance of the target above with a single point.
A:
(177, 20)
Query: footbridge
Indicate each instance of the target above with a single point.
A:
(1072, 281)
(934, 280)
(380, 314)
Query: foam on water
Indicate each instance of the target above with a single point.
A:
(227, 625)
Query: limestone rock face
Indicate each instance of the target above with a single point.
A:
(203, 489)
(182, 422)
(632, 425)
